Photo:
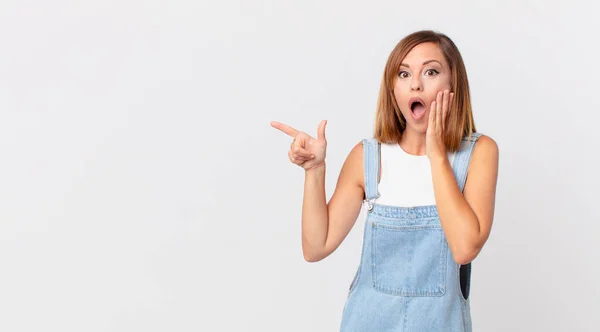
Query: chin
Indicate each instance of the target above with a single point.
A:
(420, 128)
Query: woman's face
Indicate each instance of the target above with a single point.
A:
(423, 73)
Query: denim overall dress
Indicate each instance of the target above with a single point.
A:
(407, 279)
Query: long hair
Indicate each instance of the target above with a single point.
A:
(390, 123)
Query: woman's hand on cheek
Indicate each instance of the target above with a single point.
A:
(436, 148)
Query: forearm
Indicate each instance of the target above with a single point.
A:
(458, 220)
(314, 213)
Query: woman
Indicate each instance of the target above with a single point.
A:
(428, 180)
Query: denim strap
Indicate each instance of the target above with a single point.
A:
(462, 158)
(371, 167)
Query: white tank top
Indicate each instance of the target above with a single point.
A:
(405, 179)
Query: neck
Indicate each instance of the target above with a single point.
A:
(413, 142)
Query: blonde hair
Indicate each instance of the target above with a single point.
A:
(390, 123)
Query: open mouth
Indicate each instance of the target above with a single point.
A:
(417, 107)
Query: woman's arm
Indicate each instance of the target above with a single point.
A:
(466, 217)
(326, 225)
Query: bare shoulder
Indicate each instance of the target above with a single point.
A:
(353, 168)
(485, 148)
(485, 156)
(487, 141)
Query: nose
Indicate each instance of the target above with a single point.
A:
(416, 84)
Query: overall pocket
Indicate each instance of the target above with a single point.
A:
(409, 260)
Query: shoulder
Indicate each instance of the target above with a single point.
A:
(353, 167)
(356, 155)
(358, 149)
(485, 154)
(485, 146)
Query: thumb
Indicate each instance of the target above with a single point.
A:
(321, 131)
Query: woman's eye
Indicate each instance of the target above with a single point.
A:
(431, 72)
(403, 74)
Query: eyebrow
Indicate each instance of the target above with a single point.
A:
(424, 63)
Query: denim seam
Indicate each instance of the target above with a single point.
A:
(360, 264)
(405, 300)
(399, 228)
(378, 216)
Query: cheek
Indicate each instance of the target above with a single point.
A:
(438, 85)
(443, 83)
(401, 91)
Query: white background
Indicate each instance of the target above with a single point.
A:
(143, 189)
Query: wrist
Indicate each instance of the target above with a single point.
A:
(439, 160)
(315, 168)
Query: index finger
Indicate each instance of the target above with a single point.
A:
(285, 128)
